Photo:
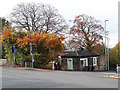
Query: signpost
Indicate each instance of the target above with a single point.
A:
(31, 53)
(13, 51)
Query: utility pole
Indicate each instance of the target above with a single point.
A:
(105, 46)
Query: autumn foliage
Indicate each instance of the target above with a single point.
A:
(86, 31)
(114, 56)
(47, 46)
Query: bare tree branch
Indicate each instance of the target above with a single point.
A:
(38, 17)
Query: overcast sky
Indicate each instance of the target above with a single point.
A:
(100, 9)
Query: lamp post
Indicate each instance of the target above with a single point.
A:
(105, 46)
(119, 49)
(108, 53)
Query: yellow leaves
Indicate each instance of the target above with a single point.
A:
(19, 30)
(25, 49)
(7, 34)
(12, 29)
(117, 51)
(34, 33)
(52, 35)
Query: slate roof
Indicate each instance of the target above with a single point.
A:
(79, 53)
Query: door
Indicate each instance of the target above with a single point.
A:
(70, 64)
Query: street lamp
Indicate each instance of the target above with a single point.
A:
(105, 45)
(108, 53)
(119, 48)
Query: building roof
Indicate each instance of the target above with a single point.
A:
(80, 53)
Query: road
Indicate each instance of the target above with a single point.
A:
(15, 78)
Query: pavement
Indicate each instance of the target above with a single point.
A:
(112, 75)
(19, 77)
(26, 68)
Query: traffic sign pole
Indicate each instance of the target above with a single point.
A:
(31, 53)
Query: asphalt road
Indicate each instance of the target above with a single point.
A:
(15, 78)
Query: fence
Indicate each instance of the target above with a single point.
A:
(28, 65)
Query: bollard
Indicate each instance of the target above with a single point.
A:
(117, 69)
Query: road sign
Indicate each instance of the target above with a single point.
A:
(33, 60)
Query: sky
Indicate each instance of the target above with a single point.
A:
(99, 9)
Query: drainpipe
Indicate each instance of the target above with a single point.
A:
(99, 63)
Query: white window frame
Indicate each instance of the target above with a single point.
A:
(85, 60)
(94, 61)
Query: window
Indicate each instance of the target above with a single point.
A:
(94, 61)
(85, 61)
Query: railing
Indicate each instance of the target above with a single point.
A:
(28, 65)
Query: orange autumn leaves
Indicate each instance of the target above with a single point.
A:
(49, 41)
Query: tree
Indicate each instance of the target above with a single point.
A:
(44, 43)
(4, 23)
(46, 46)
(86, 31)
(114, 56)
(99, 48)
(38, 17)
(70, 45)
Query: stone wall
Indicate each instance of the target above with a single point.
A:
(63, 64)
(76, 64)
(3, 61)
(102, 63)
